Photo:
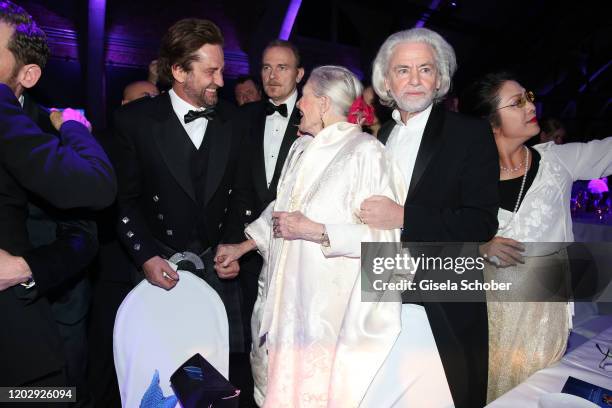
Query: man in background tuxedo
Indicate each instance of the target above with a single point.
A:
(450, 164)
(272, 123)
(64, 245)
(178, 162)
(270, 128)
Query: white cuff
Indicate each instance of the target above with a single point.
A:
(344, 240)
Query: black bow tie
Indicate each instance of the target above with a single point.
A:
(271, 108)
(208, 113)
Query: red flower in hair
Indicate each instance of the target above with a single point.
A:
(361, 113)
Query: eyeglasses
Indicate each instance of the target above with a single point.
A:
(526, 97)
(607, 354)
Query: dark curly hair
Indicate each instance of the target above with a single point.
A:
(481, 98)
(180, 43)
(28, 43)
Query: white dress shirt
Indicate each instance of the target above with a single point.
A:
(415, 346)
(276, 125)
(195, 129)
(405, 140)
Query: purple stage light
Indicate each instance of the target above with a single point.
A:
(292, 10)
(433, 6)
(595, 75)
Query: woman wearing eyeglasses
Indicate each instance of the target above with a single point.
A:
(534, 187)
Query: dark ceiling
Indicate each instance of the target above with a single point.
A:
(562, 50)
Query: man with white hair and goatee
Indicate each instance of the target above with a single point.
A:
(450, 164)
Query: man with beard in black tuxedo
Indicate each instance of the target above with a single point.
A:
(178, 162)
(450, 164)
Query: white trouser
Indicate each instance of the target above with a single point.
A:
(412, 375)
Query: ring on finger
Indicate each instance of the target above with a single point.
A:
(494, 260)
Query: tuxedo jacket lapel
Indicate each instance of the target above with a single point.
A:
(385, 131)
(259, 163)
(430, 143)
(173, 144)
(288, 139)
(219, 130)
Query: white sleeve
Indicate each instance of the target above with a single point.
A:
(375, 174)
(344, 240)
(586, 161)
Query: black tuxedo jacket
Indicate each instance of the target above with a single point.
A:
(453, 197)
(157, 200)
(65, 241)
(71, 172)
(253, 120)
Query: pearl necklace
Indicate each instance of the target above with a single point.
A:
(514, 169)
(520, 194)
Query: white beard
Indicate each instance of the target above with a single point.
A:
(414, 105)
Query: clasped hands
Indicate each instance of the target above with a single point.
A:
(227, 256)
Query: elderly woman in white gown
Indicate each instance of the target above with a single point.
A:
(322, 343)
(535, 187)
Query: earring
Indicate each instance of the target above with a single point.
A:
(322, 123)
(389, 94)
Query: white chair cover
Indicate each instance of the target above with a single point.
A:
(159, 329)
